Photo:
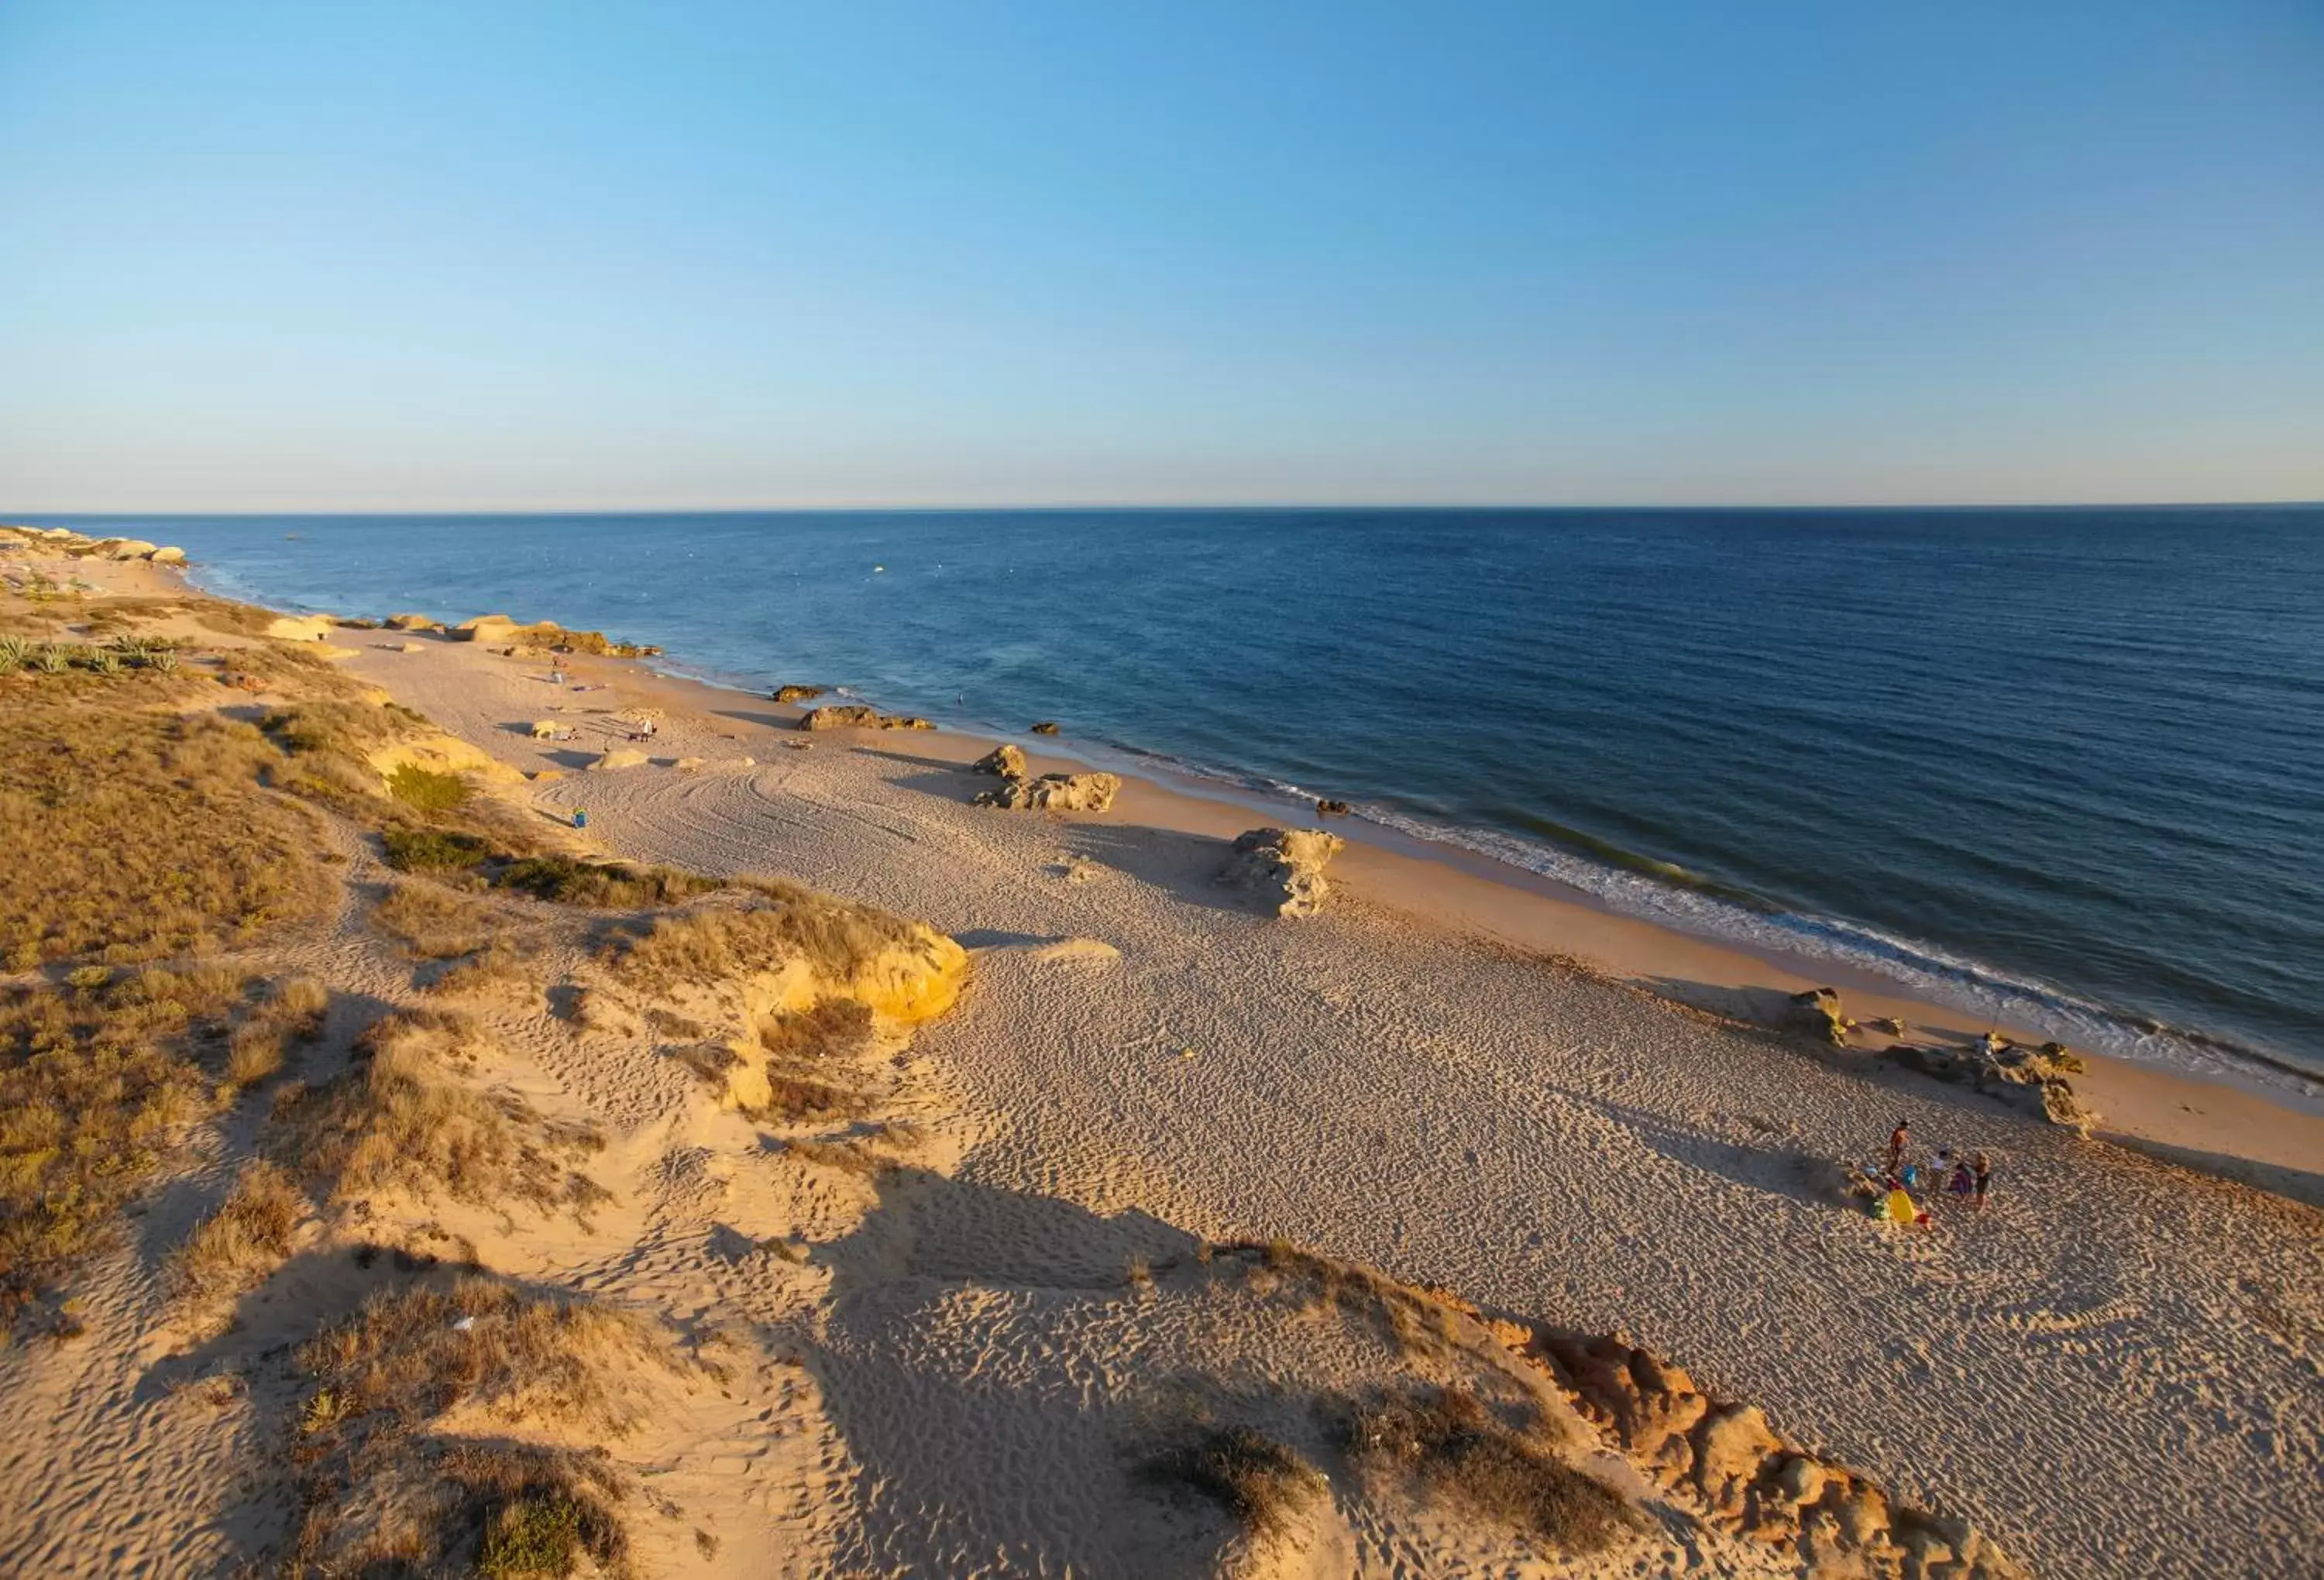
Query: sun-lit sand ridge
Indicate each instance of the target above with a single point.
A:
(990, 1317)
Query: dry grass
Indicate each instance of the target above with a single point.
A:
(383, 1494)
(431, 922)
(134, 835)
(1451, 1445)
(1262, 1483)
(235, 1247)
(293, 1011)
(399, 1118)
(837, 937)
(93, 1082)
(805, 1052)
(425, 790)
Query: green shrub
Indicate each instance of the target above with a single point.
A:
(428, 790)
(608, 885)
(434, 851)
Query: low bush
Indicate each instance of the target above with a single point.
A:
(431, 924)
(599, 885)
(1262, 1483)
(385, 1493)
(93, 1085)
(434, 851)
(399, 1118)
(235, 1247)
(425, 790)
(1451, 1444)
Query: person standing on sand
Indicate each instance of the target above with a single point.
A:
(580, 817)
(1898, 1140)
(1983, 1175)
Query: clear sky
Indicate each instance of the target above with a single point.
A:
(412, 256)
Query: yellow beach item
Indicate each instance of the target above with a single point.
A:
(1900, 1206)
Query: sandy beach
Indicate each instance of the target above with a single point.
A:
(1411, 1081)
(1464, 1080)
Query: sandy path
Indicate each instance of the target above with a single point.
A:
(2116, 1370)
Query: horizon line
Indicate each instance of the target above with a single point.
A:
(9, 518)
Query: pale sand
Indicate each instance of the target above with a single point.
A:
(2115, 1369)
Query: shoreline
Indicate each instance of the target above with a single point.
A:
(2262, 1137)
(2223, 1121)
(1812, 949)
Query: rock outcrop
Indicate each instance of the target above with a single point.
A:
(301, 628)
(499, 631)
(1817, 1014)
(1284, 868)
(621, 757)
(1046, 727)
(1744, 1474)
(1331, 809)
(1055, 792)
(169, 555)
(797, 693)
(1006, 760)
(2032, 1080)
(413, 622)
(855, 716)
(840, 716)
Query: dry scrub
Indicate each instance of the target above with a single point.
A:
(383, 1493)
(431, 924)
(837, 937)
(93, 1081)
(235, 1249)
(1263, 1483)
(1452, 1445)
(133, 835)
(400, 1119)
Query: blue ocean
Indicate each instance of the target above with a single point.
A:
(2064, 764)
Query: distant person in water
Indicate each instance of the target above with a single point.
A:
(1982, 1175)
(1898, 1140)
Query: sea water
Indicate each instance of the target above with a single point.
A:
(2064, 765)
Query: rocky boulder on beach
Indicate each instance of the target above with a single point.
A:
(840, 716)
(1008, 762)
(1046, 727)
(1817, 1014)
(1284, 868)
(797, 693)
(1055, 792)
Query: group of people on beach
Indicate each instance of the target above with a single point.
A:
(1967, 1178)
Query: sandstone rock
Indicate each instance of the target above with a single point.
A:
(544, 775)
(905, 721)
(1055, 792)
(547, 729)
(127, 548)
(621, 757)
(301, 627)
(413, 622)
(1008, 762)
(1331, 809)
(169, 555)
(1890, 1026)
(797, 693)
(1817, 1012)
(840, 716)
(499, 629)
(1046, 727)
(687, 764)
(1730, 1444)
(1284, 868)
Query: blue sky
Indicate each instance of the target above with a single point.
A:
(572, 255)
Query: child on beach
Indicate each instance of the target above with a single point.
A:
(1898, 1140)
(1983, 1176)
(580, 817)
